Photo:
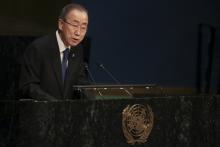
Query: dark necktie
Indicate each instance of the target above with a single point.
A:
(64, 62)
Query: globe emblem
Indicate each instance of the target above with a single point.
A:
(137, 123)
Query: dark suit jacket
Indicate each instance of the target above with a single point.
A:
(40, 74)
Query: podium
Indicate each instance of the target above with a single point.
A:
(178, 121)
(104, 91)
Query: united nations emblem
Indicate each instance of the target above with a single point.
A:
(137, 123)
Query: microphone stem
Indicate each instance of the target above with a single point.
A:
(90, 74)
(92, 78)
(110, 74)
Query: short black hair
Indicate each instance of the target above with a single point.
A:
(64, 12)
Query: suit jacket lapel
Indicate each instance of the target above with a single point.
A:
(56, 63)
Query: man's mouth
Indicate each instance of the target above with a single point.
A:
(75, 39)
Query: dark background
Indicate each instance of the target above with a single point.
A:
(152, 41)
(28, 18)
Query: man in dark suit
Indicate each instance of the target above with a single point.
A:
(52, 64)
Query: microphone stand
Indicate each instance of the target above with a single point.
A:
(113, 77)
(92, 78)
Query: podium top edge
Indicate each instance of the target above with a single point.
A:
(114, 86)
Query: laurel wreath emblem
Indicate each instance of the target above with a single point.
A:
(137, 123)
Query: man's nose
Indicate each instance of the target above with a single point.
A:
(78, 31)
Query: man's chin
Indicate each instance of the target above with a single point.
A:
(74, 44)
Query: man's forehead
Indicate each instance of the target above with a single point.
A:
(77, 13)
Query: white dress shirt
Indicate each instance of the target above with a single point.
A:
(61, 46)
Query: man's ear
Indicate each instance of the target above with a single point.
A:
(60, 24)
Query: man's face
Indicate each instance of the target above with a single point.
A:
(73, 28)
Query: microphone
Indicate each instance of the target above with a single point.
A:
(89, 72)
(91, 77)
(108, 72)
(112, 76)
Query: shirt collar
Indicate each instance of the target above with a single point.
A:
(61, 45)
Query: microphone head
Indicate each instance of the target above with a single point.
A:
(86, 66)
(100, 65)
